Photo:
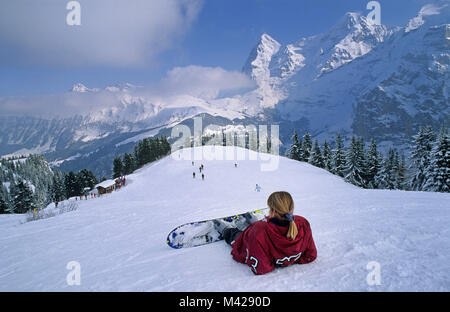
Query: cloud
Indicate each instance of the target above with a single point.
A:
(112, 32)
(204, 83)
(57, 105)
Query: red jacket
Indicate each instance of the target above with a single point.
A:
(264, 245)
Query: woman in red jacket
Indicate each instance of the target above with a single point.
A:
(281, 239)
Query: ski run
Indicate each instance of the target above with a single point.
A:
(118, 241)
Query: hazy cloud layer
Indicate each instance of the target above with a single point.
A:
(206, 83)
(112, 32)
(203, 82)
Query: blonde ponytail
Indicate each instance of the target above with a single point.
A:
(283, 204)
(293, 231)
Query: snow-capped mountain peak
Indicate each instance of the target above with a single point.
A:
(81, 88)
(124, 87)
(437, 12)
(118, 87)
(257, 65)
(349, 20)
(352, 37)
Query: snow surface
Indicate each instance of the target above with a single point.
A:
(120, 239)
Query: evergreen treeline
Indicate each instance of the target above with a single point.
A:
(366, 167)
(74, 184)
(146, 151)
(28, 183)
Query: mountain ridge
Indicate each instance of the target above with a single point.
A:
(358, 78)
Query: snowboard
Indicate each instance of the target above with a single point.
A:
(200, 233)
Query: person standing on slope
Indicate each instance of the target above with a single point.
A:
(279, 240)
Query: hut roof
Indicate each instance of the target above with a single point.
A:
(106, 184)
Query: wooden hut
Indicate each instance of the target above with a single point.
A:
(106, 187)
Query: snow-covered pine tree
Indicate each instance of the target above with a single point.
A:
(338, 158)
(316, 158)
(326, 155)
(386, 177)
(3, 202)
(374, 161)
(420, 157)
(400, 183)
(294, 149)
(71, 185)
(12, 191)
(438, 171)
(58, 190)
(129, 165)
(86, 178)
(35, 170)
(364, 164)
(306, 147)
(22, 197)
(117, 167)
(353, 172)
(395, 168)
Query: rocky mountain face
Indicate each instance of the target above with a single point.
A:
(361, 78)
(357, 78)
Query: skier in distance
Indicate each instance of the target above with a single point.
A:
(281, 239)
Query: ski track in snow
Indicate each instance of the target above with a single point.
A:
(120, 239)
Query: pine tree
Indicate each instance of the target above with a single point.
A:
(338, 158)
(386, 177)
(118, 167)
(86, 179)
(136, 156)
(395, 168)
(316, 158)
(71, 185)
(306, 147)
(420, 157)
(354, 170)
(326, 155)
(23, 199)
(373, 165)
(3, 203)
(166, 148)
(58, 190)
(438, 171)
(294, 150)
(364, 162)
(129, 164)
(400, 183)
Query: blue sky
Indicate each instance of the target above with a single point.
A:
(39, 54)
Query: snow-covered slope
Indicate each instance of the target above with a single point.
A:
(120, 239)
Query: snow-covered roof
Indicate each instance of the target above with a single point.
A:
(106, 183)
